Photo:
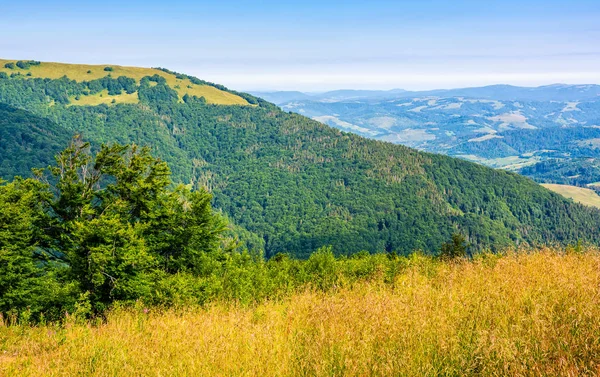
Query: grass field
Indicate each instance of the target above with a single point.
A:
(579, 194)
(104, 98)
(533, 314)
(79, 72)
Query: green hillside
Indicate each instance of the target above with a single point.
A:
(299, 184)
(27, 141)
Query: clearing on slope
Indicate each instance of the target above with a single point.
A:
(581, 195)
(84, 72)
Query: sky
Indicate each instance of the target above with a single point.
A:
(319, 45)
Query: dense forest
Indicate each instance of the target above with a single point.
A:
(577, 172)
(295, 184)
(27, 141)
(574, 142)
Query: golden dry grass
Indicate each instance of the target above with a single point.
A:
(78, 72)
(518, 315)
(579, 194)
(104, 98)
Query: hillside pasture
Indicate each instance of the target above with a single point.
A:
(85, 72)
(581, 195)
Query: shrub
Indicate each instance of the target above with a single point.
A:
(26, 64)
(322, 269)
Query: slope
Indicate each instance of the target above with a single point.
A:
(27, 141)
(300, 185)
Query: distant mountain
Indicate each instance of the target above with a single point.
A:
(283, 96)
(293, 183)
(279, 98)
(555, 92)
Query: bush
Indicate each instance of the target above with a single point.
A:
(26, 64)
(108, 69)
(322, 269)
(9, 65)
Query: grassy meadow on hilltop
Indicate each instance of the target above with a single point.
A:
(521, 314)
(84, 72)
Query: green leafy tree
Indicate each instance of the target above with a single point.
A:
(118, 224)
(454, 249)
(26, 283)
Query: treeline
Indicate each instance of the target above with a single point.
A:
(22, 64)
(194, 80)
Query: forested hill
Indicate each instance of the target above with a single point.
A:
(294, 182)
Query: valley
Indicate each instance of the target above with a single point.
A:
(502, 127)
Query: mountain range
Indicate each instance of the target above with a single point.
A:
(554, 92)
(515, 128)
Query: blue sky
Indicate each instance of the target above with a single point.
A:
(319, 45)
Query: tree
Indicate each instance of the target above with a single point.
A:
(456, 248)
(26, 283)
(117, 224)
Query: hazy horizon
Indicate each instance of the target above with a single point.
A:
(321, 45)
